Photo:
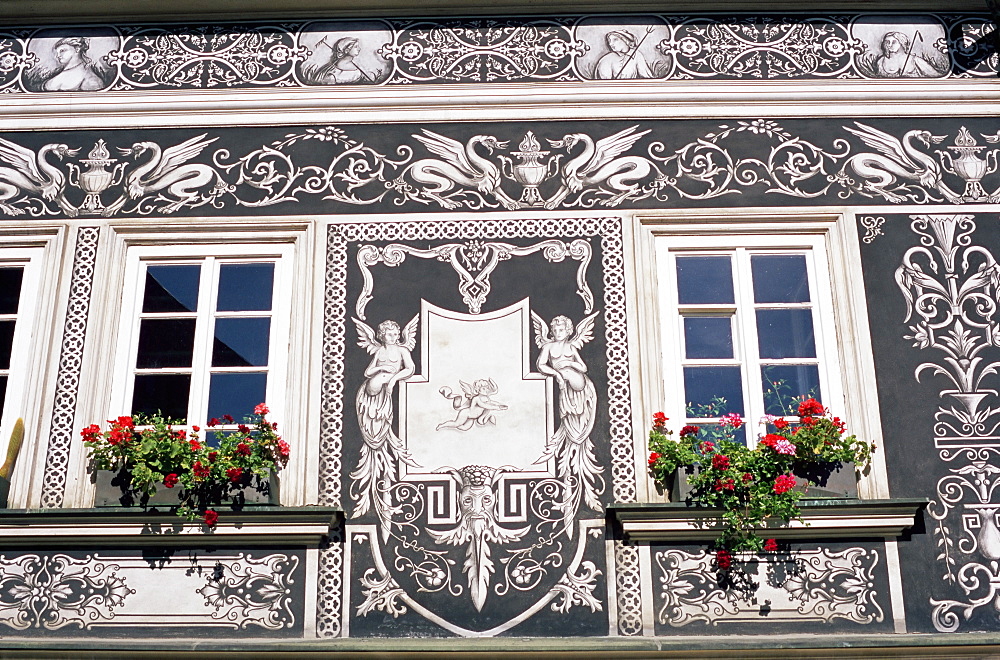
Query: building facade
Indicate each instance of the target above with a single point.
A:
(464, 257)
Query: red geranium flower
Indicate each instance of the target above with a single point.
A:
(196, 429)
(747, 477)
(212, 455)
(243, 449)
(770, 545)
(195, 445)
(706, 446)
(234, 474)
(200, 471)
(214, 421)
(653, 457)
(690, 429)
(724, 560)
(283, 448)
(771, 439)
(228, 418)
(261, 409)
(784, 483)
(781, 423)
(211, 517)
(92, 433)
(720, 462)
(243, 428)
(170, 480)
(659, 419)
(810, 407)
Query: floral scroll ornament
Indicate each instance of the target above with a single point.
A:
(951, 288)
(55, 591)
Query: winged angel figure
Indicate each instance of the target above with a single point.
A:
(571, 445)
(897, 161)
(461, 166)
(33, 173)
(382, 449)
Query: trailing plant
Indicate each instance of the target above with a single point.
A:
(156, 454)
(752, 486)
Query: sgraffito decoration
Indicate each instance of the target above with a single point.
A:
(228, 593)
(639, 166)
(477, 429)
(820, 585)
(95, 59)
(950, 286)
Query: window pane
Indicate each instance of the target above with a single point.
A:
(708, 337)
(236, 394)
(165, 343)
(241, 343)
(785, 385)
(6, 342)
(713, 391)
(245, 287)
(780, 278)
(10, 289)
(785, 333)
(704, 280)
(166, 393)
(171, 289)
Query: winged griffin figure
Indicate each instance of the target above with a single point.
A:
(167, 169)
(33, 173)
(576, 465)
(459, 165)
(601, 162)
(477, 526)
(377, 468)
(897, 161)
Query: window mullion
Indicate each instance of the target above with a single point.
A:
(204, 329)
(747, 323)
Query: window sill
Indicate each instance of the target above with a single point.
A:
(822, 519)
(264, 525)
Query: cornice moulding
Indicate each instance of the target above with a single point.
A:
(133, 527)
(502, 102)
(19, 12)
(822, 519)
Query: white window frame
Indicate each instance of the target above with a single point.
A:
(745, 344)
(836, 232)
(210, 258)
(30, 260)
(110, 335)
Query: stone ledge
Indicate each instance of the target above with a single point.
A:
(822, 519)
(798, 646)
(306, 525)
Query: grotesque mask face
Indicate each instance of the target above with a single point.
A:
(476, 502)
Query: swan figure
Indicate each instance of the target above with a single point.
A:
(600, 162)
(897, 160)
(461, 166)
(33, 173)
(168, 168)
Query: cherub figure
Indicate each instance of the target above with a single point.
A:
(474, 404)
(576, 465)
(382, 449)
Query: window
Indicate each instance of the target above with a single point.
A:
(746, 329)
(19, 277)
(207, 335)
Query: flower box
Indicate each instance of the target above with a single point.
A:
(115, 489)
(820, 481)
